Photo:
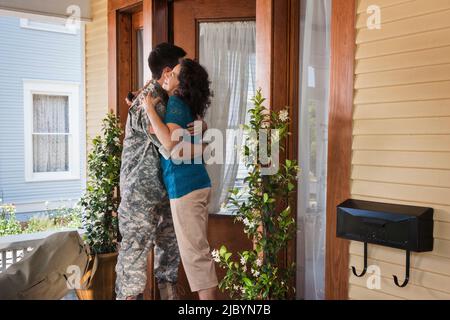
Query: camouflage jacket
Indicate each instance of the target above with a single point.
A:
(141, 184)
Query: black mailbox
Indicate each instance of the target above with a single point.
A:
(398, 226)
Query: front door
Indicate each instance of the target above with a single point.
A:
(220, 34)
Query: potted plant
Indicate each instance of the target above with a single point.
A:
(265, 212)
(100, 204)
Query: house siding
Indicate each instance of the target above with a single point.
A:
(96, 68)
(401, 143)
(38, 55)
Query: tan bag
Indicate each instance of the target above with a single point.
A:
(57, 264)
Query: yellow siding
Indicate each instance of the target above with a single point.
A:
(401, 143)
(96, 68)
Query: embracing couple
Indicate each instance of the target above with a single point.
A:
(163, 201)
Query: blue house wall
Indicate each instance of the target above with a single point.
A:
(37, 55)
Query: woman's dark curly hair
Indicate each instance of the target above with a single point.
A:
(194, 88)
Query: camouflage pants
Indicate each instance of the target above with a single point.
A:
(141, 232)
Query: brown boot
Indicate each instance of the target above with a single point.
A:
(168, 291)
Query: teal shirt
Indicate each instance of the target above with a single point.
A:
(181, 179)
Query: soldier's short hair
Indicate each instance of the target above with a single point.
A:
(165, 55)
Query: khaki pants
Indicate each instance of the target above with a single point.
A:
(190, 218)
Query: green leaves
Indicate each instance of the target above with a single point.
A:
(291, 186)
(223, 251)
(100, 201)
(265, 214)
(248, 282)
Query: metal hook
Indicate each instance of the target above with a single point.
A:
(405, 283)
(365, 263)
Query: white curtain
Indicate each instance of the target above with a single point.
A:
(313, 146)
(50, 133)
(227, 50)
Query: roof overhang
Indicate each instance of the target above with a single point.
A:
(67, 9)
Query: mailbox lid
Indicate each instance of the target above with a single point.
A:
(390, 210)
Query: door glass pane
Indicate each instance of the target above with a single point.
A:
(227, 50)
(140, 58)
(313, 146)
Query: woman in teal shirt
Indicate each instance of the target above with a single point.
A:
(187, 183)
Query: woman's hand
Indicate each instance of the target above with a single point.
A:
(196, 126)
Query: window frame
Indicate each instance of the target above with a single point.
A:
(49, 26)
(55, 88)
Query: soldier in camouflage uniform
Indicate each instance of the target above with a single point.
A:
(145, 219)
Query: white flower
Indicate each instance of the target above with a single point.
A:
(215, 255)
(243, 261)
(246, 222)
(259, 262)
(239, 218)
(242, 289)
(255, 273)
(244, 268)
(236, 287)
(284, 115)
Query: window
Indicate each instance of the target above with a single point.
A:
(242, 171)
(228, 51)
(59, 26)
(52, 149)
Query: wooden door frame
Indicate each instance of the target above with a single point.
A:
(278, 27)
(277, 35)
(156, 30)
(340, 136)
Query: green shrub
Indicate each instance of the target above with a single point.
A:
(8, 222)
(101, 200)
(60, 218)
(259, 274)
